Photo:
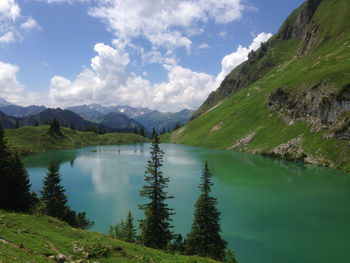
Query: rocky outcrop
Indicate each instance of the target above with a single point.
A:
(319, 106)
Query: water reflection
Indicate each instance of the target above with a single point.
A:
(271, 207)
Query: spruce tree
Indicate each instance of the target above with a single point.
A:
(4, 170)
(55, 128)
(154, 132)
(53, 193)
(14, 180)
(125, 230)
(155, 227)
(142, 131)
(204, 238)
(20, 198)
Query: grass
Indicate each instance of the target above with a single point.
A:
(30, 140)
(247, 112)
(34, 238)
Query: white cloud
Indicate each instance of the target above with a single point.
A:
(203, 46)
(30, 24)
(164, 23)
(7, 38)
(12, 26)
(107, 82)
(184, 89)
(10, 88)
(9, 10)
(232, 60)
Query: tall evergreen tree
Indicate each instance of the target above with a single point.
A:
(20, 198)
(53, 192)
(155, 228)
(204, 238)
(55, 128)
(4, 170)
(142, 131)
(14, 180)
(154, 132)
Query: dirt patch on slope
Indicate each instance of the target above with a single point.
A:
(217, 126)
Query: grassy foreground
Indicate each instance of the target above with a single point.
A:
(38, 238)
(30, 140)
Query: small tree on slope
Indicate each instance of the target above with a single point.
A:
(204, 238)
(155, 228)
(53, 193)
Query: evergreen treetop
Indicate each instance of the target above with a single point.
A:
(53, 192)
(155, 228)
(14, 180)
(204, 238)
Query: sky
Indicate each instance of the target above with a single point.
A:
(162, 54)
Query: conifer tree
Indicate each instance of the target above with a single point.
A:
(20, 198)
(53, 192)
(155, 227)
(4, 170)
(125, 230)
(135, 130)
(55, 128)
(14, 180)
(142, 131)
(154, 132)
(204, 238)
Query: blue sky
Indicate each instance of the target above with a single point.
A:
(165, 55)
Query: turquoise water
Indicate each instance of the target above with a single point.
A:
(272, 211)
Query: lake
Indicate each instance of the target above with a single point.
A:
(273, 211)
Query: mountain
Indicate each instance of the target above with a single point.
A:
(119, 121)
(64, 117)
(93, 111)
(6, 121)
(22, 112)
(146, 117)
(4, 103)
(164, 120)
(88, 112)
(291, 98)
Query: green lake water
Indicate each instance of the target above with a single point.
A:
(272, 211)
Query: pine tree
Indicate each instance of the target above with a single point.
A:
(125, 230)
(204, 238)
(154, 132)
(20, 198)
(142, 131)
(135, 130)
(14, 180)
(55, 128)
(155, 228)
(4, 170)
(53, 193)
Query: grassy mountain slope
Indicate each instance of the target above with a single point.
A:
(37, 238)
(29, 140)
(291, 99)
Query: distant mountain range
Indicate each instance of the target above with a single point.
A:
(148, 118)
(93, 116)
(21, 112)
